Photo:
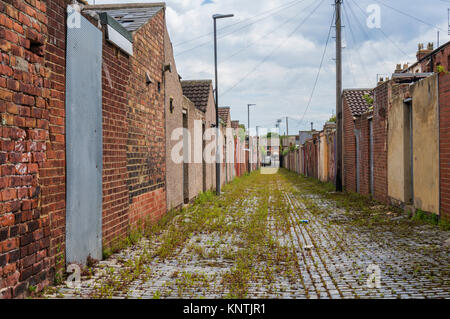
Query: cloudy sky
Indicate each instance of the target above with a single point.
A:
(270, 52)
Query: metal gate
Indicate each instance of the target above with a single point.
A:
(83, 143)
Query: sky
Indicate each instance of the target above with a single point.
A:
(270, 52)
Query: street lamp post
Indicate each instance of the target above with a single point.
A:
(257, 147)
(249, 149)
(215, 17)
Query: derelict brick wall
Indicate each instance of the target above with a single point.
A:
(210, 119)
(32, 161)
(364, 181)
(174, 120)
(115, 78)
(146, 156)
(349, 146)
(195, 169)
(380, 147)
(444, 144)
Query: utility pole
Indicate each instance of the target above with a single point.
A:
(287, 126)
(339, 95)
(257, 147)
(218, 151)
(249, 149)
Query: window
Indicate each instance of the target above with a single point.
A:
(171, 107)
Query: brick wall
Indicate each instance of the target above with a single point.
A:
(32, 161)
(146, 122)
(362, 123)
(115, 78)
(174, 120)
(349, 146)
(379, 122)
(444, 144)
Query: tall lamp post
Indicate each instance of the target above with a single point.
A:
(215, 17)
(257, 147)
(249, 149)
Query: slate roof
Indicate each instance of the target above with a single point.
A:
(224, 113)
(356, 101)
(131, 16)
(198, 92)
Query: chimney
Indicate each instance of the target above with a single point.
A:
(398, 69)
(421, 53)
(312, 126)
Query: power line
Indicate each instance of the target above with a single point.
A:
(265, 35)
(381, 30)
(355, 42)
(363, 30)
(408, 15)
(274, 50)
(236, 23)
(239, 29)
(320, 68)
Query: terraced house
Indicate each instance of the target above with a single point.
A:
(83, 136)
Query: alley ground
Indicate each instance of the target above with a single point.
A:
(252, 242)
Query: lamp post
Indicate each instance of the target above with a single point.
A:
(249, 149)
(215, 17)
(257, 147)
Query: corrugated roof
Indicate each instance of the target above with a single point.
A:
(224, 113)
(197, 91)
(356, 101)
(131, 16)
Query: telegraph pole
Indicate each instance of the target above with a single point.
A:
(339, 95)
(287, 126)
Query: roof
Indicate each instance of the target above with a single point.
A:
(356, 101)
(235, 124)
(132, 15)
(224, 113)
(197, 91)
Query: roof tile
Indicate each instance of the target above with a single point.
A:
(356, 101)
(198, 92)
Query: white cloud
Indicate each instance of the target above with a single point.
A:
(282, 85)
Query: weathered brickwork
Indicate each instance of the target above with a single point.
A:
(146, 140)
(380, 114)
(115, 78)
(362, 124)
(173, 120)
(349, 149)
(32, 160)
(444, 144)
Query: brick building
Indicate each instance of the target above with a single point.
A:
(175, 119)
(32, 157)
(200, 92)
(120, 168)
(228, 145)
(140, 152)
(354, 105)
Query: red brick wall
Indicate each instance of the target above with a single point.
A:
(349, 152)
(380, 147)
(444, 144)
(32, 161)
(362, 123)
(115, 78)
(146, 130)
